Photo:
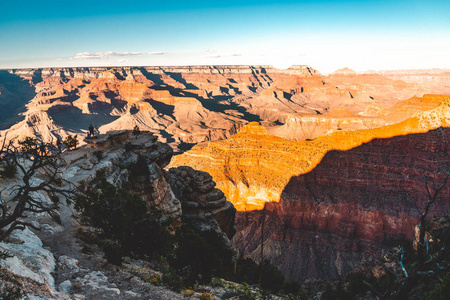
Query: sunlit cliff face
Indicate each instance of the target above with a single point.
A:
(253, 167)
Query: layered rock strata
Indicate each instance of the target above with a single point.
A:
(360, 190)
(189, 105)
(351, 206)
(253, 167)
(203, 205)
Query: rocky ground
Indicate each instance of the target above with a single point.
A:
(55, 263)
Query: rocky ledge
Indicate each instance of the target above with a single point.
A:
(54, 264)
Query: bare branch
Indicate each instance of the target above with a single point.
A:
(25, 196)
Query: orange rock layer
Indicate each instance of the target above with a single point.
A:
(353, 205)
(253, 168)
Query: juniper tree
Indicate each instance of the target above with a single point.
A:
(40, 185)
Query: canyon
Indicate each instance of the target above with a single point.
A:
(252, 167)
(337, 201)
(352, 207)
(334, 164)
(189, 105)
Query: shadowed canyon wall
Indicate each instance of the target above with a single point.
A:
(333, 202)
(352, 205)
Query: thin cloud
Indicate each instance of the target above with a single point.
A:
(223, 55)
(109, 54)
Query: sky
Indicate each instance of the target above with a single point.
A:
(324, 34)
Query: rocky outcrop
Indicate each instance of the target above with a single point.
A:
(28, 266)
(201, 201)
(137, 162)
(204, 206)
(352, 205)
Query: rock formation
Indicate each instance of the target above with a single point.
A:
(188, 105)
(253, 167)
(347, 204)
(135, 163)
(352, 205)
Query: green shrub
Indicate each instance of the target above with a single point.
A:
(113, 253)
(217, 282)
(200, 257)
(71, 142)
(249, 271)
(442, 291)
(245, 292)
(124, 217)
(172, 279)
(272, 278)
(246, 271)
(8, 169)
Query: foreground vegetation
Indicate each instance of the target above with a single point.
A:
(123, 226)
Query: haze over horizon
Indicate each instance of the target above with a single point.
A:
(325, 34)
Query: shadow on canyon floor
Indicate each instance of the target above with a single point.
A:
(15, 94)
(73, 119)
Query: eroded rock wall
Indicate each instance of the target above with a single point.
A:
(351, 206)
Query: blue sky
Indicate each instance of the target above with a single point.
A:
(326, 34)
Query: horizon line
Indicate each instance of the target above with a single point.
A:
(225, 65)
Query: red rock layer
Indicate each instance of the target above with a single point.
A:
(352, 205)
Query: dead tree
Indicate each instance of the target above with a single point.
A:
(40, 173)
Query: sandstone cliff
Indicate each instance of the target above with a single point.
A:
(253, 167)
(359, 190)
(352, 205)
